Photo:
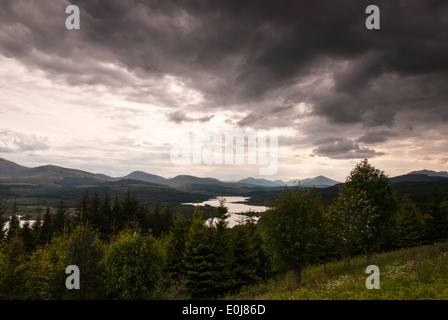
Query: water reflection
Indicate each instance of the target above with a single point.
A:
(234, 207)
(22, 222)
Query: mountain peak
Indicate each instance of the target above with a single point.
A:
(146, 177)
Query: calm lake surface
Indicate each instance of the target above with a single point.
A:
(234, 208)
(22, 222)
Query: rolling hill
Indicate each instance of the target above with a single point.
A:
(146, 177)
(51, 183)
(48, 176)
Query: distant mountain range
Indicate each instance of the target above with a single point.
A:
(318, 182)
(431, 173)
(54, 176)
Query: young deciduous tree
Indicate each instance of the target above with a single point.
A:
(133, 264)
(350, 218)
(380, 200)
(291, 229)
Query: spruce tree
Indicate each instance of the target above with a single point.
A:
(28, 236)
(409, 228)
(12, 267)
(37, 224)
(86, 251)
(117, 221)
(14, 223)
(246, 257)
(82, 208)
(174, 244)
(223, 272)
(437, 224)
(47, 229)
(167, 219)
(155, 221)
(93, 215)
(3, 219)
(106, 216)
(60, 217)
(130, 207)
(198, 259)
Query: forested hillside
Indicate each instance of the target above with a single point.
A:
(128, 249)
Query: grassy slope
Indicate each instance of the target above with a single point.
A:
(419, 273)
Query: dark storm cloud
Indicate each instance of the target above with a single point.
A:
(240, 54)
(343, 148)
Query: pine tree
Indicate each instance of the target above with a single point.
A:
(82, 207)
(60, 217)
(28, 237)
(37, 224)
(3, 219)
(155, 221)
(223, 259)
(47, 229)
(14, 223)
(198, 259)
(93, 213)
(12, 267)
(437, 224)
(37, 274)
(86, 251)
(106, 215)
(167, 219)
(160, 222)
(324, 246)
(130, 209)
(246, 257)
(117, 222)
(409, 229)
(174, 244)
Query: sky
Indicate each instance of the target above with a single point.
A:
(117, 94)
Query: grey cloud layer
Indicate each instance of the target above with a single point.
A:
(252, 56)
(17, 142)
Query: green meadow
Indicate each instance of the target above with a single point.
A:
(418, 273)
